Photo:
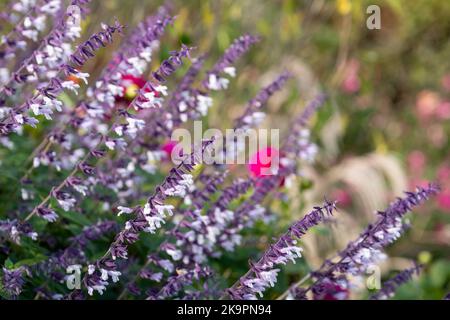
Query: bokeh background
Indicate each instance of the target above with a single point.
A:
(384, 129)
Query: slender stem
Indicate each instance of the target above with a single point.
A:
(297, 284)
(63, 183)
(123, 294)
(177, 205)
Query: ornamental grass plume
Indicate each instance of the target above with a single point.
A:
(96, 192)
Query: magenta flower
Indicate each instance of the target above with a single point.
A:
(443, 200)
(264, 162)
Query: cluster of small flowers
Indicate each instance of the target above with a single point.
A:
(45, 101)
(62, 193)
(263, 274)
(367, 250)
(161, 122)
(55, 266)
(172, 248)
(29, 19)
(192, 103)
(133, 57)
(15, 229)
(13, 280)
(205, 232)
(215, 80)
(148, 219)
(55, 49)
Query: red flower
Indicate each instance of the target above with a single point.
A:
(131, 86)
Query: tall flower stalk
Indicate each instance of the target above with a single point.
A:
(367, 249)
(45, 101)
(390, 287)
(263, 273)
(148, 218)
(142, 101)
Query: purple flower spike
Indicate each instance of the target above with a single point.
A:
(390, 287)
(263, 273)
(172, 63)
(148, 219)
(251, 116)
(367, 249)
(13, 281)
(215, 80)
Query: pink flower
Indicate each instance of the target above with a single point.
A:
(351, 82)
(443, 200)
(168, 147)
(416, 162)
(443, 111)
(443, 173)
(427, 103)
(264, 162)
(342, 197)
(446, 82)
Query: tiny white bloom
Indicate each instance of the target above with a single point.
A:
(125, 210)
(91, 269)
(231, 71)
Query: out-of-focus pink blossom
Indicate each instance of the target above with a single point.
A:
(168, 147)
(436, 135)
(445, 81)
(443, 200)
(443, 111)
(416, 162)
(342, 197)
(443, 174)
(351, 82)
(131, 86)
(427, 103)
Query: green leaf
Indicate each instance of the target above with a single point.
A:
(31, 261)
(9, 264)
(439, 272)
(75, 217)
